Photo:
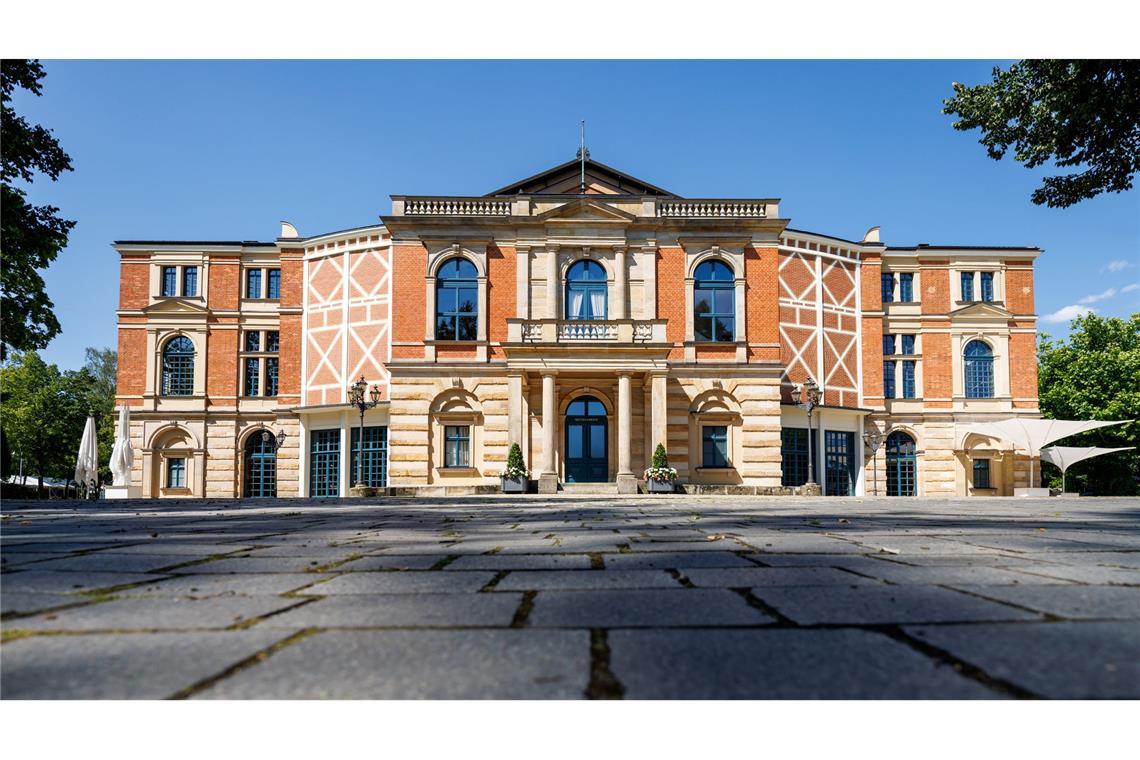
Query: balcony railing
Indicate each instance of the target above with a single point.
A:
(525, 205)
(714, 209)
(586, 331)
(456, 207)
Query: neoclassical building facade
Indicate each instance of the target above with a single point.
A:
(587, 316)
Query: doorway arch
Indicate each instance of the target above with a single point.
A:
(587, 441)
(902, 464)
(260, 465)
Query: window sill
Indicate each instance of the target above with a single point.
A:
(457, 471)
(437, 342)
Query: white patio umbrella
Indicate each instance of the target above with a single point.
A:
(87, 463)
(1031, 434)
(1067, 456)
(122, 456)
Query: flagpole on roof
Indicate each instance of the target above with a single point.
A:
(583, 154)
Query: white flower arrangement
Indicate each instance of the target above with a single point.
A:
(516, 466)
(514, 473)
(661, 474)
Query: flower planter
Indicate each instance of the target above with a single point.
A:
(514, 485)
(660, 486)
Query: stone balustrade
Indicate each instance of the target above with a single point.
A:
(710, 209)
(579, 331)
(456, 207)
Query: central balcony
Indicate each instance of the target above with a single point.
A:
(586, 331)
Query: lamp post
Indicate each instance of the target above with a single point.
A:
(809, 399)
(277, 440)
(356, 397)
(874, 441)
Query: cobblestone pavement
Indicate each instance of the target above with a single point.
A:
(670, 597)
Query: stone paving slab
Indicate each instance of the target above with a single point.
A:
(505, 664)
(874, 604)
(536, 580)
(906, 575)
(153, 614)
(672, 560)
(115, 563)
(1096, 574)
(681, 607)
(1064, 660)
(256, 565)
(23, 602)
(411, 582)
(122, 666)
(377, 562)
(520, 562)
(1093, 602)
(771, 576)
(218, 584)
(402, 611)
(63, 582)
(780, 664)
(178, 552)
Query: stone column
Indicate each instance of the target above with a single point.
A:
(659, 430)
(515, 409)
(548, 479)
(626, 481)
(621, 284)
(553, 280)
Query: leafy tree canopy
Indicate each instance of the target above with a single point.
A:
(1073, 113)
(30, 236)
(1096, 376)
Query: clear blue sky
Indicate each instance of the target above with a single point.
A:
(224, 150)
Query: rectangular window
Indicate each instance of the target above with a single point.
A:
(253, 283)
(271, 376)
(888, 379)
(324, 463)
(252, 368)
(982, 473)
(176, 472)
(170, 281)
(906, 287)
(253, 340)
(908, 345)
(794, 456)
(908, 379)
(888, 282)
(888, 345)
(967, 286)
(714, 446)
(190, 282)
(987, 286)
(839, 452)
(375, 456)
(271, 341)
(274, 283)
(457, 446)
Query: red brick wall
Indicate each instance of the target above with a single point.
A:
(934, 278)
(1023, 367)
(130, 379)
(289, 328)
(502, 292)
(872, 300)
(221, 362)
(134, 282)
(761, 307)
(937, 367)
(671, 296)
(1019, 289)
(409, 269)
(225, 283)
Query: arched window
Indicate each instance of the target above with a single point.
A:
(261, 465)
(456, 301)
(178, 367)
(714, 303)
(901, 464)
(586, 296)
(978, 369)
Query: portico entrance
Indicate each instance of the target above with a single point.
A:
(587, 459)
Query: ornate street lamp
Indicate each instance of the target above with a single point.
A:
(874, 440)
(809, 396)
(356, 397)
(277, 440)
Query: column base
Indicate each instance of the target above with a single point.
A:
(811, 489)
(548, 483)
(626, 484)
(122, 492)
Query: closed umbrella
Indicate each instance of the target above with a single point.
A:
(87, 463)
(122, 456)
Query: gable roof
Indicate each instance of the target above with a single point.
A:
(564, 179)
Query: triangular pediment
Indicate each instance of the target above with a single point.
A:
(981, 310)
(586, 210)
(172, 306)
(566, 179)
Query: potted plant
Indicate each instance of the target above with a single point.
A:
(660, 477)
(516, 477)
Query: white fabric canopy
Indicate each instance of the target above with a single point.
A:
(87, 463)
(1067, 456)
(122, 456)
(1031, 434)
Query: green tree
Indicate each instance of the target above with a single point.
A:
(30, 236)
(1095, 376)
(101, 364)
(1070, 113)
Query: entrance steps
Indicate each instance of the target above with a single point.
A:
(575, 489)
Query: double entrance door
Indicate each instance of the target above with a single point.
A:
(587, 459)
